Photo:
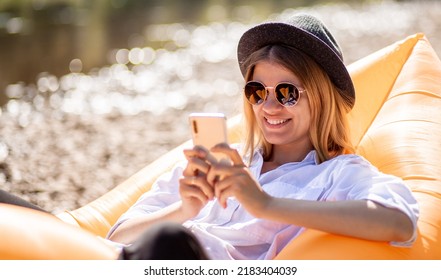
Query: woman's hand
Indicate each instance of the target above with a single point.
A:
(194, 189)
(235, 180)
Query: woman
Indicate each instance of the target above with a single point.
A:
(294, 171)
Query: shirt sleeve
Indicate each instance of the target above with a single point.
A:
(164, 192)
(357, 179)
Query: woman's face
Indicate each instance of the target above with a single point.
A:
(284, 126)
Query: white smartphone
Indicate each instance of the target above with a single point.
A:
(208, 130)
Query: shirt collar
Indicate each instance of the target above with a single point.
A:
(310, 158)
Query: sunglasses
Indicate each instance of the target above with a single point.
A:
(286, 94)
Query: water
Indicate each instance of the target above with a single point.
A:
(93, 76)
(60, 36)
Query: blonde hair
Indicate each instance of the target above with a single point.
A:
(329, 133)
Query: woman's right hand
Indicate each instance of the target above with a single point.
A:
(194, 188)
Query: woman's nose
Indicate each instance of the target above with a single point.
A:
(271, 103)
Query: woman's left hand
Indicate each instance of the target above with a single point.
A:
(235, 180)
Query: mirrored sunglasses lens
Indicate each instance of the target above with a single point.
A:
(255, 92)
(287, 94)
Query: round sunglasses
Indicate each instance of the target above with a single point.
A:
(286, 94)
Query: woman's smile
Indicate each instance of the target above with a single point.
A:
(276, 122)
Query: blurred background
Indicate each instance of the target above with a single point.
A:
(92, 91)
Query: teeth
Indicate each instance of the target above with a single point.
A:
(275, 122)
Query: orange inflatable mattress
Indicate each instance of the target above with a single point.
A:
(395, 123)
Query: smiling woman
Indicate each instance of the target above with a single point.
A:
(300, 174)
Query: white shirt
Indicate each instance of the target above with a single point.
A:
(232, 233)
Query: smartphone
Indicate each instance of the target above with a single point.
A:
(208, 130)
